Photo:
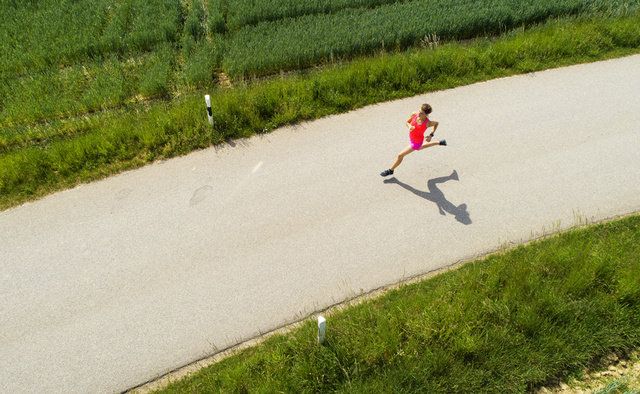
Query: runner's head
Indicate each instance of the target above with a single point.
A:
(425, 110)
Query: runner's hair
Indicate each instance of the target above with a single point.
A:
(426, 108)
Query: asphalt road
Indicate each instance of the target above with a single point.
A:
(113, 283)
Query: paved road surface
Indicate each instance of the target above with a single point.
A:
(111, 284)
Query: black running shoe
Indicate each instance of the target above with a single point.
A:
(386, 172)
(443, 142)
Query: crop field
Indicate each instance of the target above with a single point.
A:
(302, 42)
(39, 34)
(249, 12)
(69, 58)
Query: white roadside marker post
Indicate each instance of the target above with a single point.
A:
(322, 329)
(207, 100)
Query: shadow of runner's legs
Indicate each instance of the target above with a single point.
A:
(436, 196)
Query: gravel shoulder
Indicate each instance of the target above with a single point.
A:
(616, 375)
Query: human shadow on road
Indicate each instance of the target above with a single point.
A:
(435, 195)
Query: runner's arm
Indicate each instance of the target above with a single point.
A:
(433, 124)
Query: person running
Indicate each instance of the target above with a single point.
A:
(418, 124)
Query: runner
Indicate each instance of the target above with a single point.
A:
(418, 124)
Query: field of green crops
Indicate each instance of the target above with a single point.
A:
(39, 34)
(250, 12)
(69, 58)
(302, 42)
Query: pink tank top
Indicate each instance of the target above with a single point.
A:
(417, 134)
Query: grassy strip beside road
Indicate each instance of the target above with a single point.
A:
(88, 148)
(509, 323)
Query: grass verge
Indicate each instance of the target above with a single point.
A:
(87, 148)
(511, 322)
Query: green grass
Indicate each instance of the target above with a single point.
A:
(71, 58)
(38, 159)
(76, 90)
(309, 40)
(63, 59)
(128, 57)
(52, 33)
(248, 12)
(508, 323)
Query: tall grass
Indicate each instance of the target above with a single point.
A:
(216, 10)
(73, 150)
(248, 12)
(99, 85)
(155, 68)
(30, 29)
(194, 25)
(302, 42)
(64, 62)
(201, 45)
(156, 81)
(60, 59)
(506, 324)
(39, 35)
(201, 64)
(82, 88)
